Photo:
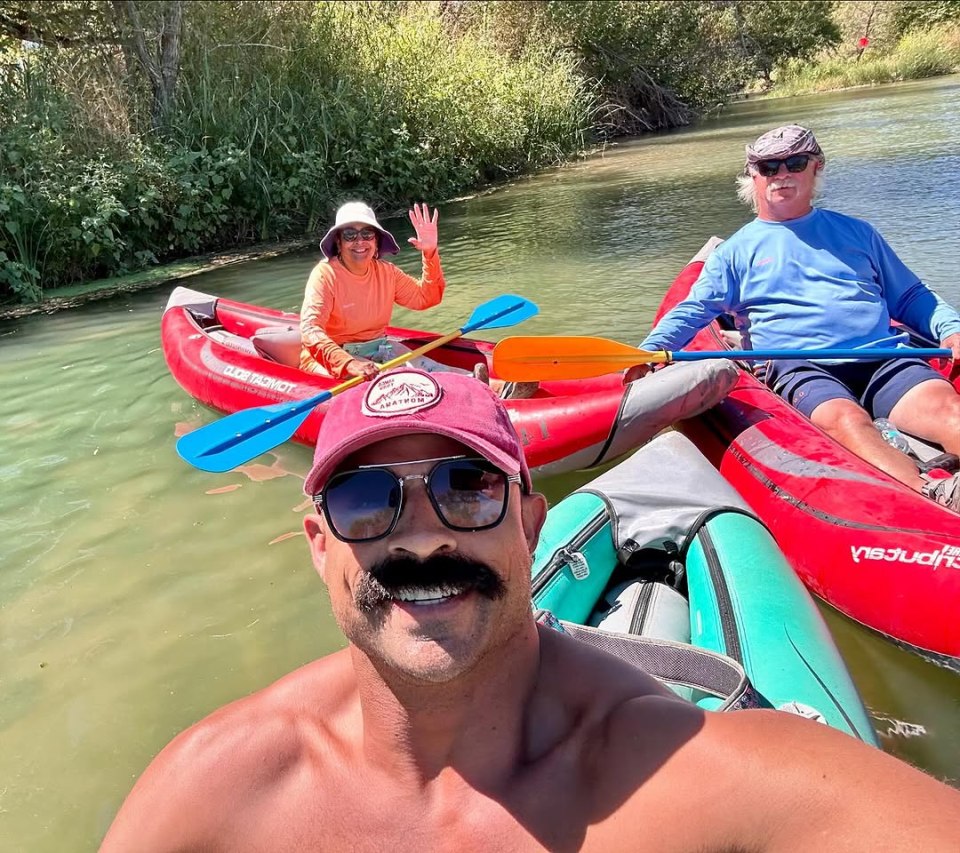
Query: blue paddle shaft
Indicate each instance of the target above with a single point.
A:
(812, 355)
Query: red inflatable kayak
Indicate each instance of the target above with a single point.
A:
(866, 544)
(230, 356)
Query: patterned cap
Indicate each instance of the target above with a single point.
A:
(404, 401)
(785, 142)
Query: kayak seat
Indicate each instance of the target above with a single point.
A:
(279, 343)
(645, 608)
(228, 339)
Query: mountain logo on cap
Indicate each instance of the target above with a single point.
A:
(401, 392)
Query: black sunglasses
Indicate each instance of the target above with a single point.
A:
(351, 235)
(364, 504)
(796, 163)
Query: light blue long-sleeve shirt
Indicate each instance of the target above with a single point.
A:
(822, 281)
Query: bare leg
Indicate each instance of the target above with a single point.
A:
(852, 426)
(931, 410)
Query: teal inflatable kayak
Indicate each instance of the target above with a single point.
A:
(662, 548)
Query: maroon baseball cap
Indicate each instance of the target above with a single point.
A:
(406, 400)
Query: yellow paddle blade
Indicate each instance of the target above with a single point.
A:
(531, 359)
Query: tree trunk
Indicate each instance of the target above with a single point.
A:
(161, 68)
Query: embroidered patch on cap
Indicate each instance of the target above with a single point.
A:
(401, 392)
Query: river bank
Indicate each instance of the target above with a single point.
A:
(92, 291)
(79, 294)
(918, 55)
(261, 125)
(73, 296)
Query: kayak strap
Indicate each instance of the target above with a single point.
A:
(671, 662)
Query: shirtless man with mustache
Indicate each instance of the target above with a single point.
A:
(453, 721)
(801, 277)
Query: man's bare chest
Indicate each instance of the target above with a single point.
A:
(358, 812)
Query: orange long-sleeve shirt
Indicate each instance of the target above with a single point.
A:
(340, 307)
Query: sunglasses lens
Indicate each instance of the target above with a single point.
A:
(351, 235)
(796, 163)
(469, 495)
(362, 505)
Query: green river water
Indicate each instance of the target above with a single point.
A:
(137, 594)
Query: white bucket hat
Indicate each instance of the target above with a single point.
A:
(357, 211)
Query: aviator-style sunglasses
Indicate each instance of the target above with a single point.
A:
(364, 504)
(351, 235)
(796, 163)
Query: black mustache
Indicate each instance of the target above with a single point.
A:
(393, 574)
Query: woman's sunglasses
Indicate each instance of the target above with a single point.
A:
(796, 163)
(364, 504)
(351, 235)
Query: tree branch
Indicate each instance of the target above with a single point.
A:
(128, 9)
(18, 26)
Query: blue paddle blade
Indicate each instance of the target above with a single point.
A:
(244, 435)
(507, 310)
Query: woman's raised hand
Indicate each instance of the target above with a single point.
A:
(426, 227)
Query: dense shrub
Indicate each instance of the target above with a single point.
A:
(277, 119)
(278, 110)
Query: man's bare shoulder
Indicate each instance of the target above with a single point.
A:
(237, 755)
(315, 695)
(744, 780)
(752, 779)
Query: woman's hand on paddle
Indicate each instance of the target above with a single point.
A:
(426, 227)
(361, 367)
(952, 342)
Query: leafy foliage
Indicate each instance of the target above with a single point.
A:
(136, 132)
(774, 32)
(925, 14)
(659, 62)
(282, 110)
(64, 24)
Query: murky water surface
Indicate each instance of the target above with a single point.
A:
(137, 594)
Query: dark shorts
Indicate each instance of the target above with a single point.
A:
(877, 386)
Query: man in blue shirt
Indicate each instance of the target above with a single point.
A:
(799, 277)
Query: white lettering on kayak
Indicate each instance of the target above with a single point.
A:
(259, 379)
(948, 556)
